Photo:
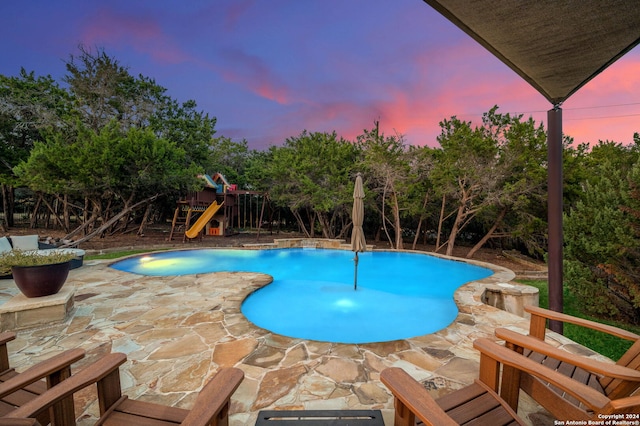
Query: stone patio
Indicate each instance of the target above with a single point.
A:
(177, 331)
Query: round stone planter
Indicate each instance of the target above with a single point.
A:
(41, 280)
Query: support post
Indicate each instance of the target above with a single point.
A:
(554, 205)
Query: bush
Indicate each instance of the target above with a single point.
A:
(32, 258)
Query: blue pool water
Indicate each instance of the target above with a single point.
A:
(399, 295)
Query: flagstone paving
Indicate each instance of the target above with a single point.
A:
(178, 331)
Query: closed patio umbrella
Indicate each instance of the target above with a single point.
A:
(358, 243)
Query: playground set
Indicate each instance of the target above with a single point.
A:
(213, 211)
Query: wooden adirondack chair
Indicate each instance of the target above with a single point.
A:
(614, 381)
(17, 389)
(493, 398)
(211, 406)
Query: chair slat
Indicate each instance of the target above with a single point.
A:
(581, 375)
(496, 417)
(473, 408)
(553, 364)
(152, 411)
(124, 419)
(459, 397)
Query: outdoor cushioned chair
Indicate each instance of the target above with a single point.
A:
(493, 398)
(211, 406)
(614, 381)
(17, 389)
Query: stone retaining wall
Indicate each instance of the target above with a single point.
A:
(324, 243)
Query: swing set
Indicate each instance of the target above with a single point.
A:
(219, 209)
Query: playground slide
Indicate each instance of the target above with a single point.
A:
(204, 218)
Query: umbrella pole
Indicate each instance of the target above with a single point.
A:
(355, 275)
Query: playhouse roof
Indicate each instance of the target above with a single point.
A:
(218, 177)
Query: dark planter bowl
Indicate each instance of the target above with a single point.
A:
(41, 280)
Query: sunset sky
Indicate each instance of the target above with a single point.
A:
(267, 70)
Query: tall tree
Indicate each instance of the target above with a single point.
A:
(104, 90)
(385, 159)
(466, 172)
(602, 243)
(420, 187)
(311, 174)
(112, 170)
(30, 106)
(511, 208)
(192, 130)
(229, 158)
(627, 265)
(111, 115)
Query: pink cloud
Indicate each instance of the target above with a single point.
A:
(607, 108)
(254, 75)
(108, 28)
(615, 118)
(469, 94)
(622, 77)
(235, 12)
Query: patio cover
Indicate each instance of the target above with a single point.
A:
(557, 46)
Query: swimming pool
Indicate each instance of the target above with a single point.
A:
(400, 295)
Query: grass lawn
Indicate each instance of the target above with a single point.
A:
(609, 346)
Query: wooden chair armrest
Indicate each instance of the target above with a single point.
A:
(18, 422)
(410, 395)
(536, 311)
(7, 336)
(588, 396)
(589, 364)
(53, 366)
(89, 375)
(629, 404)
(214, 398)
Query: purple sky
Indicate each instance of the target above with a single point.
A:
(270, 69)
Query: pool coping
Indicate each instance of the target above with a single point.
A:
(174, 346)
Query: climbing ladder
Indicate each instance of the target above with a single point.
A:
(182, 217)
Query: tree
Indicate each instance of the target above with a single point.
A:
(95, 128)
(512, 208)
(191, 130)
(420, 187)
(229, 158)
(30, 106)
(601, 236)
(465, 173)
(627, 265)
(386, 163)
(311, 175)
(104, 91)
(112, 170)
